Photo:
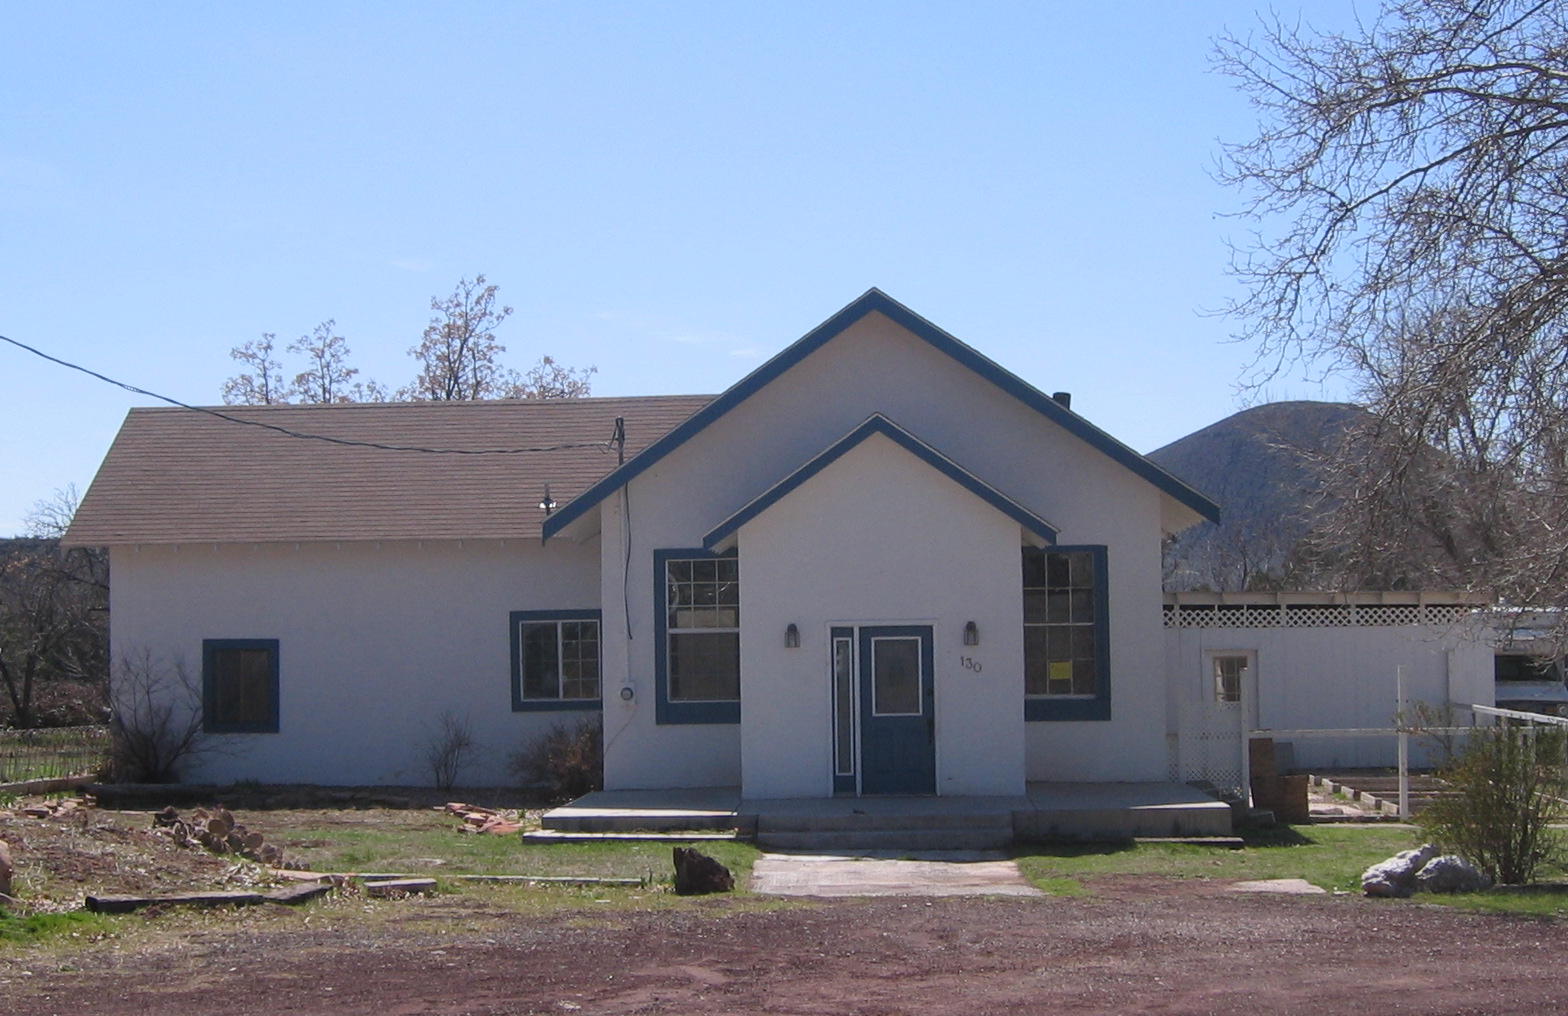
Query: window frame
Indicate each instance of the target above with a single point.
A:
(1050, 708)
(516, 619)
(674, 711)
(209, 679)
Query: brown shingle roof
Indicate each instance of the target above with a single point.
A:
(180, 476)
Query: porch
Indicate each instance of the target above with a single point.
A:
(1076, 811)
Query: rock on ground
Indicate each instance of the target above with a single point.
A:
(1397, 876)
(6, 869)
(696, 872)
(1451, 873)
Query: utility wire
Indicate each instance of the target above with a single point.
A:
(601, 445)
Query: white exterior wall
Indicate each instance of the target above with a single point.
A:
(880, 537)
(877, 366)
(1341, 677)
(374, 643)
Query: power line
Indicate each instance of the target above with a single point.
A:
(601, 445)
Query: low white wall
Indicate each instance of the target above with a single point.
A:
(374, 643)
(1341, 677)
(880, 537)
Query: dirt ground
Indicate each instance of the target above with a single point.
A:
(1140, 945)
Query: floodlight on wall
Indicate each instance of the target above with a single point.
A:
(547, 505)
(792, 637)
(971, 634)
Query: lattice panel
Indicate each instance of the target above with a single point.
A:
(1388, 616)
(1317, 616)
(1210, 744)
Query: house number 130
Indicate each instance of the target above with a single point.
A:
(969, 663)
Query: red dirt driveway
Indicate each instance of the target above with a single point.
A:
(1135, 946)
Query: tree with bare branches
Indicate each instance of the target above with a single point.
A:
(459, 355)
(261, 383)
(54, 640)
(1409, 185)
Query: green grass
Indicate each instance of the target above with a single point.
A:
(428, 843)
(1331, 857)
(75, 924)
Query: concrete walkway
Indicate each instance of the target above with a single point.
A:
(937, 873)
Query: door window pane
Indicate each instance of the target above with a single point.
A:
(895, 677)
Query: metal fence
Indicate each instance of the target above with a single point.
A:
(52, 753)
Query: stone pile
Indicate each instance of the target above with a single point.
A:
(1424, 870)
(484, 820)
(216, 831)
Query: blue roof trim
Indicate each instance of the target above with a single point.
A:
(870, 301)
(879, 424)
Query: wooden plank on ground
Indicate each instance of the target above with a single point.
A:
(126, 904)
(548, 879)
(399, 886)
(296, 894)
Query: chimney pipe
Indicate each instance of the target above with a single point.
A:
(1064, 399)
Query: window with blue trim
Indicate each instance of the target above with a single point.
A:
(698, 636)
(239, 686)
(555, 659)
(1066, 643)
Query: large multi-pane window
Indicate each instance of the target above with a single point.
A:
(702, 629)
(555, 660)
(1063, 621)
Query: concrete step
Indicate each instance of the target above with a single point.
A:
(562, 820)
(848, 841)
(870, 821)
(561, 836)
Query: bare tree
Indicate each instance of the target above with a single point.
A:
(327, 377)
(53, 617)
(459, 353)
(262, 382)
(157, 723)
(1409, 181)
(548, 379)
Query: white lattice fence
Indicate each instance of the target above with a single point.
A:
(1209, 746)
(1331, 615)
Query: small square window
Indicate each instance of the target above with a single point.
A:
(555, 660)
(239, 683)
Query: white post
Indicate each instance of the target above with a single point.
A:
(1404, 743)
(1246, 744)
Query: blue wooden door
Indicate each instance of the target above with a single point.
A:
(897, 711)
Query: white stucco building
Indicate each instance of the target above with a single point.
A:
(879, 564)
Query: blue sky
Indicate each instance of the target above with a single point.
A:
(669, 193)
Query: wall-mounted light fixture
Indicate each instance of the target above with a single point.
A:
(628, 693)
(792, 637)
(547, 505)
(971, 634)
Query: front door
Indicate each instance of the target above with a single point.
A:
(897, 709)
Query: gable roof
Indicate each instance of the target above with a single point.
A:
(876, 301)
(876, 423)
(183, 476)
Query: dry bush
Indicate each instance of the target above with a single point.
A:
(565, 763)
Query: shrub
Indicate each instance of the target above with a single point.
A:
(1508, 787)
(447, 748)
(565, 763)
(157, 719)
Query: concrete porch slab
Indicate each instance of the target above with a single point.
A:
(1120, 811)
(934, 874)
(1083, 811)
(682, 808)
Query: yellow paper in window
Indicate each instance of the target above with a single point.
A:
(1061, 670)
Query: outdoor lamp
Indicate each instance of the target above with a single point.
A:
(971, 634)
(792, 637)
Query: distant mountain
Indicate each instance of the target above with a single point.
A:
(1259, 466)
